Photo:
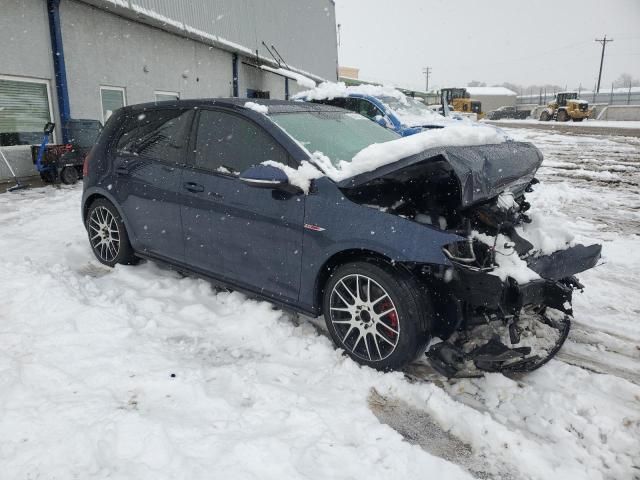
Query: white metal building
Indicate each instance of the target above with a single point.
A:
(73, 59)
(493, 97)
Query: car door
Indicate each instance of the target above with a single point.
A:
(248, 236)
(150, 156)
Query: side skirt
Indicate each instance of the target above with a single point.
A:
(219, 281)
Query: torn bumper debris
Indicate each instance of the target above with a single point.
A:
(512, 327)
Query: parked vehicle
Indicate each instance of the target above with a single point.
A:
(388, 107)
(63, 162)
(508, 112)
(391, 257)
(566, 106)
(462, 101)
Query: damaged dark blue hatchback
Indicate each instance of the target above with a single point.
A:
(392, 256)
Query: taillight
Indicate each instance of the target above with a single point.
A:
(85, 164)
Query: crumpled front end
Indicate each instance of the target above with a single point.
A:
(515, 303)
(504, 301)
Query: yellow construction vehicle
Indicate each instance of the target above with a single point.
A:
(461, 101)
(566, 106)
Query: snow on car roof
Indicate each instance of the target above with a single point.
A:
(330, 90)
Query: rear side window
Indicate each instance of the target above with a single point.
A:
(229, 143)
(157, 135)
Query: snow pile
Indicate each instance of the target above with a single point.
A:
(330, 90)
(547, 232)
(256, 107)
(507, 259)
(300, 177)
(379, 154)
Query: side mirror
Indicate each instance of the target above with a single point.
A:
(48, 128)
(266, 176)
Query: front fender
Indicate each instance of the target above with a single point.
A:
(335, 224)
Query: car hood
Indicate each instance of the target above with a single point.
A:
(482, 171)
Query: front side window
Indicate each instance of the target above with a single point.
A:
(366, 108)
(229, 143)
(111, 98)
(339, 135)
(24, 110)
(157, 135)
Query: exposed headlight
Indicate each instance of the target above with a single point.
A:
(470, 253)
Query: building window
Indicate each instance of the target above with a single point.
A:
(251, 93)
(25, 107)
(164, 96)
(111, 98)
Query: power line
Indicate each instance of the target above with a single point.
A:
(426, 71)
(604, 42)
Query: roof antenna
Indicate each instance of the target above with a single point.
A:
(272, 55)
(280, 56)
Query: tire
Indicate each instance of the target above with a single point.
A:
(69, 175)
(48, 176)
(578, 119)
(544, 116)
(385, 342)
(563, 116)
(103, 219)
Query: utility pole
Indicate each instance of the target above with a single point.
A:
(426, 71)
(602, 41)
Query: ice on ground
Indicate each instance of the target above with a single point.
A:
(256, 107)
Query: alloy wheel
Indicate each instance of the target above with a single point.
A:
(364, 317)
(104, 234)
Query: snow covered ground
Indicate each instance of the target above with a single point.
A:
(139, 373)
(585, 123)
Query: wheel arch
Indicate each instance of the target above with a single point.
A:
(97, 194)
(341, 258)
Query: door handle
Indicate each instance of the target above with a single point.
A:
(193, 187)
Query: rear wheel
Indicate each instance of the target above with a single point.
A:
(377, 314)
(69, 175)
(108, 235)
(544, 116)
(563, 116)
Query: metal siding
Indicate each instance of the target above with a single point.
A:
(303, 31)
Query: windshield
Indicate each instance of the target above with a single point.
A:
(338, 135)
(412, 112)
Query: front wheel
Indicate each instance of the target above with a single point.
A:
(578, 119)
(544, 116)
(108, 235)
(563, 116)
(378, 314)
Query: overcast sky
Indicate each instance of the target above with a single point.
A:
(523, 42)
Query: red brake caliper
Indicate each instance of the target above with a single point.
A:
(392, 316)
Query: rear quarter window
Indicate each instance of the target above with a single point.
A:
(160, 135)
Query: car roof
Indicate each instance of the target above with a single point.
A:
(275, 106)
